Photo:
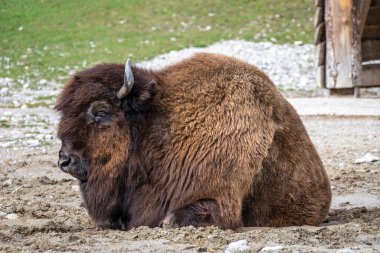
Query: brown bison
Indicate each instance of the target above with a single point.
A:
(207, 141)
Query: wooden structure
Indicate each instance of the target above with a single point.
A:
(347, 39)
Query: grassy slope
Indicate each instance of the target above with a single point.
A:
(46, 39)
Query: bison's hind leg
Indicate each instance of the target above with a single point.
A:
(202, 213)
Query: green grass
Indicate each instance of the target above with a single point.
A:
(49, 97)
(46, 39)
(4, 123)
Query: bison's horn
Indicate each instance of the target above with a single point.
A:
(128, 81)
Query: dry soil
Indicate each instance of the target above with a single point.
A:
(41, 207)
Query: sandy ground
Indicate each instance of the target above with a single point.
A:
(41, 210)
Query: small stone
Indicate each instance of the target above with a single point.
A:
(48, 137)
(75, 188)
(8, 182)
(342, 165)
(4, 91)
(73, 238)
(2, 214)
(367, 158)
(272, 248)
(47, 181)
(237, 246)
(346, 251)
(16, 103)
(33, 143)
(11, 216)
(42, 82)
(8, 113)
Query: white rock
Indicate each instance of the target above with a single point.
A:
(8, 182)
(272, 248)
(16, 103)
(42, 81)
(342, 165)
(367, 158)
(237, 246)
(346, 251)
(4, 91)
(6, 144)
(33, 143)
(8, 113)
(11, 216)
(75, 188)
(40, 137)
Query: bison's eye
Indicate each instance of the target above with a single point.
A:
(101, 115)
(99, 112)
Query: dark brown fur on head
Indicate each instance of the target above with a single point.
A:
(98, 131)
(208, 141)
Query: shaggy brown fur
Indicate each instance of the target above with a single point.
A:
(207, 141)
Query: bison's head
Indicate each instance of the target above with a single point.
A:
(97, 110)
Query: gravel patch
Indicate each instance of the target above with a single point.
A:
(291, 67)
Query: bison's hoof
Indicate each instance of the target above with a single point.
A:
(170, 221)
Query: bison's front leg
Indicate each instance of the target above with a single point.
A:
(201, 213)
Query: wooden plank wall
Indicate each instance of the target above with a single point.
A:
(371, 47)
(359, 13)
(320, 43)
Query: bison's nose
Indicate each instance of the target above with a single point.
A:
(64, 162)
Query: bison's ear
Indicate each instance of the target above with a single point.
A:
(140, 97)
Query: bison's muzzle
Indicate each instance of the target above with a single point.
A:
(71, 164)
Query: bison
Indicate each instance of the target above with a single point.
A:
(206, 141)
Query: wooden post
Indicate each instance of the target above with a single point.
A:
(319, 39)
(344, 26)
(338, 19)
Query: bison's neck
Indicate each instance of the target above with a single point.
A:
(124, 199)
(149, 132)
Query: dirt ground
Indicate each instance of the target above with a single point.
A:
(41, 210)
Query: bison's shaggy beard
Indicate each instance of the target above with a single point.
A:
(112, 187)
(103, 195)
